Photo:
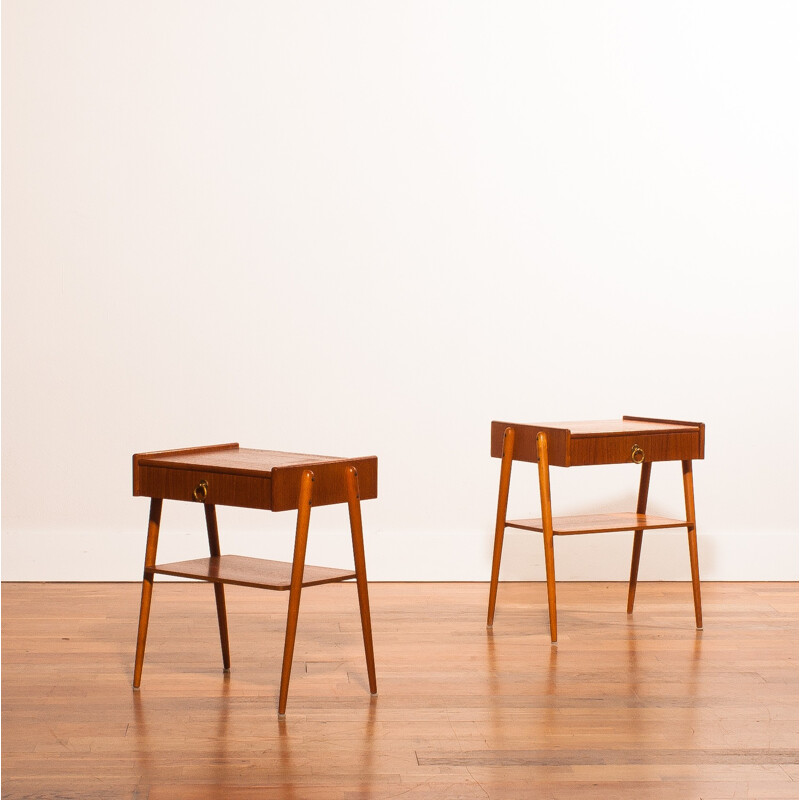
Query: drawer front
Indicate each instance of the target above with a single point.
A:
(620, 449)
(222, 489)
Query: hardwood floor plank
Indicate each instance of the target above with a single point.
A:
(623, 757)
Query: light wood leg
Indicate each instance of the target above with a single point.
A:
(547, 524)
(147, 586)
(688, 496)
(641, 508)
(500, 524)
(357, 533)
(298, 563)
(219, 589)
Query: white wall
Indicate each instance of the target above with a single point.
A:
(371, 227)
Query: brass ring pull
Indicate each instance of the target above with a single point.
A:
(637, 454)
(200, 491)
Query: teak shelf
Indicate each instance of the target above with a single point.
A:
(259, 573)
(267, 479)
(640, 440)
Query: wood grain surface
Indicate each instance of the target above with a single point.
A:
(599, 523)
(582, 443)
(256, 572)
(245, 491)
(248, 478)
(624, 707)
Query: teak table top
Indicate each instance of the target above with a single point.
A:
(232, 458)
(246, 477)
(604, 441)
(615, 427)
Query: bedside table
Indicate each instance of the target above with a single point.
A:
(638, 440)
(230, 475)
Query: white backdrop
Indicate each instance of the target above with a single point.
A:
(371, 228)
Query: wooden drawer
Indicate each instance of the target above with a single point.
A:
(619, 449)
(277, 490)
(223, 489)
(610, 442)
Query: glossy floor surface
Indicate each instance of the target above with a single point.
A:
(639, 706)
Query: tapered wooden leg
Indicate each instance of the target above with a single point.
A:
(547, 524)
(500, 523)
(298, 563)
(147, 587)
(219, 589)
(357, 533)
(641, 508)
(688, 496)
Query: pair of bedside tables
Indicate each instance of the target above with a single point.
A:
(231, 475)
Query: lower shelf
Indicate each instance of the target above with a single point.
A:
(256, 572)
(599, 523)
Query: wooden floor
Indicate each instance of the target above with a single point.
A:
(624, 707)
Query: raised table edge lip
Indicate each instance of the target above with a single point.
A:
(172, 459)
(647, 426)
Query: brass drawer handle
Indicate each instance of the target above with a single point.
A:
(637, 454)
(200, 491)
